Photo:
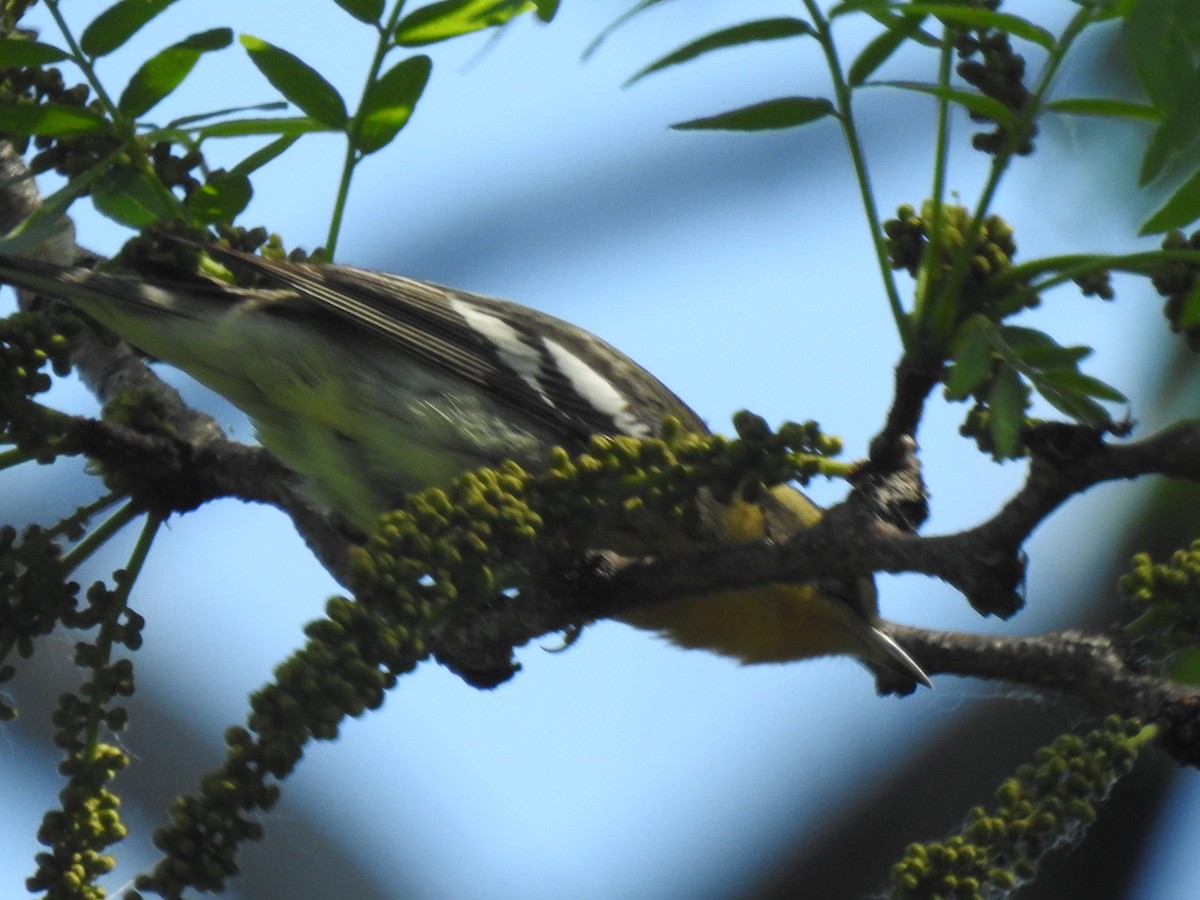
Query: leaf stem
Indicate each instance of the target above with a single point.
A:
(102, 533)
(125, 130)
(941, 317)
(353, 154)
(926, 275)
(107, 636)
(842, 93)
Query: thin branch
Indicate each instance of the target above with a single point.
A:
(1083, 668)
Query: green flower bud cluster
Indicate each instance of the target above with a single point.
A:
(428, 558)
(174, 169)
(68, 156)
(29, 341)
(35, 595)
(89, 821)
(174, 249)
(436, 556)
(442, 547)
(1097, 283)
(1167, 598)
(72, 155)
(350, 661)
(620, 485)
(1042, 807)
(636, 495)
(908, 238)
(1177, 279)
(977, 425)
(999, 73)
(796, 451)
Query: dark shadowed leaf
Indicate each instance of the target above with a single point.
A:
(1162, 40)
(273, 106)
(785, 112)
(1007, 402)
(369, 11)
(1189, 315)
(264, 155)
(1106, 107)
(131, 198)
(546, 9)
(977, 17)
(48, 218)
(642, 6)
(297, 81)
(972, 357)
(1053, 371)
(16, 52)
(50, 119)
(1181, 209)
(746, 33)
(878, 51)
(976, 103)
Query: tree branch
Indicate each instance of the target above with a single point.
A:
(1090, 669)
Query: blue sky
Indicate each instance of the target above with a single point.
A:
(737, 269)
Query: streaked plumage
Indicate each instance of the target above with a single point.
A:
(370, 385)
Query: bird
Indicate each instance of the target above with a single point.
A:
(369, 385)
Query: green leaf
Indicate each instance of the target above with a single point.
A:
(976, 103)
(1007, 402)
(1183, 666)
(273, 106)
(1024, 341)
(879, 50)
(978, 18)
(1053, 356)
(746, 33)
(972, 357)
(221, 198)
(1060, 390)
(117, 24)
(50, 119)
(390, 102)
(298, 82)
(48, 217)
(244, 127)
(1106, 107)
(1182, 208)
(617, 23)
(264, 155)
(1170, 142)
(1162, 40)
(1080, 383)
(369, 11)
(450, 18)
(163, 72)
(131, 198)
(16, 52)
(1053, 371)
(546, 9)
(31, 234)
(1189, 315)
(854, 6)
(785, 112)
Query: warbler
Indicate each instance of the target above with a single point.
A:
(369, 385)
